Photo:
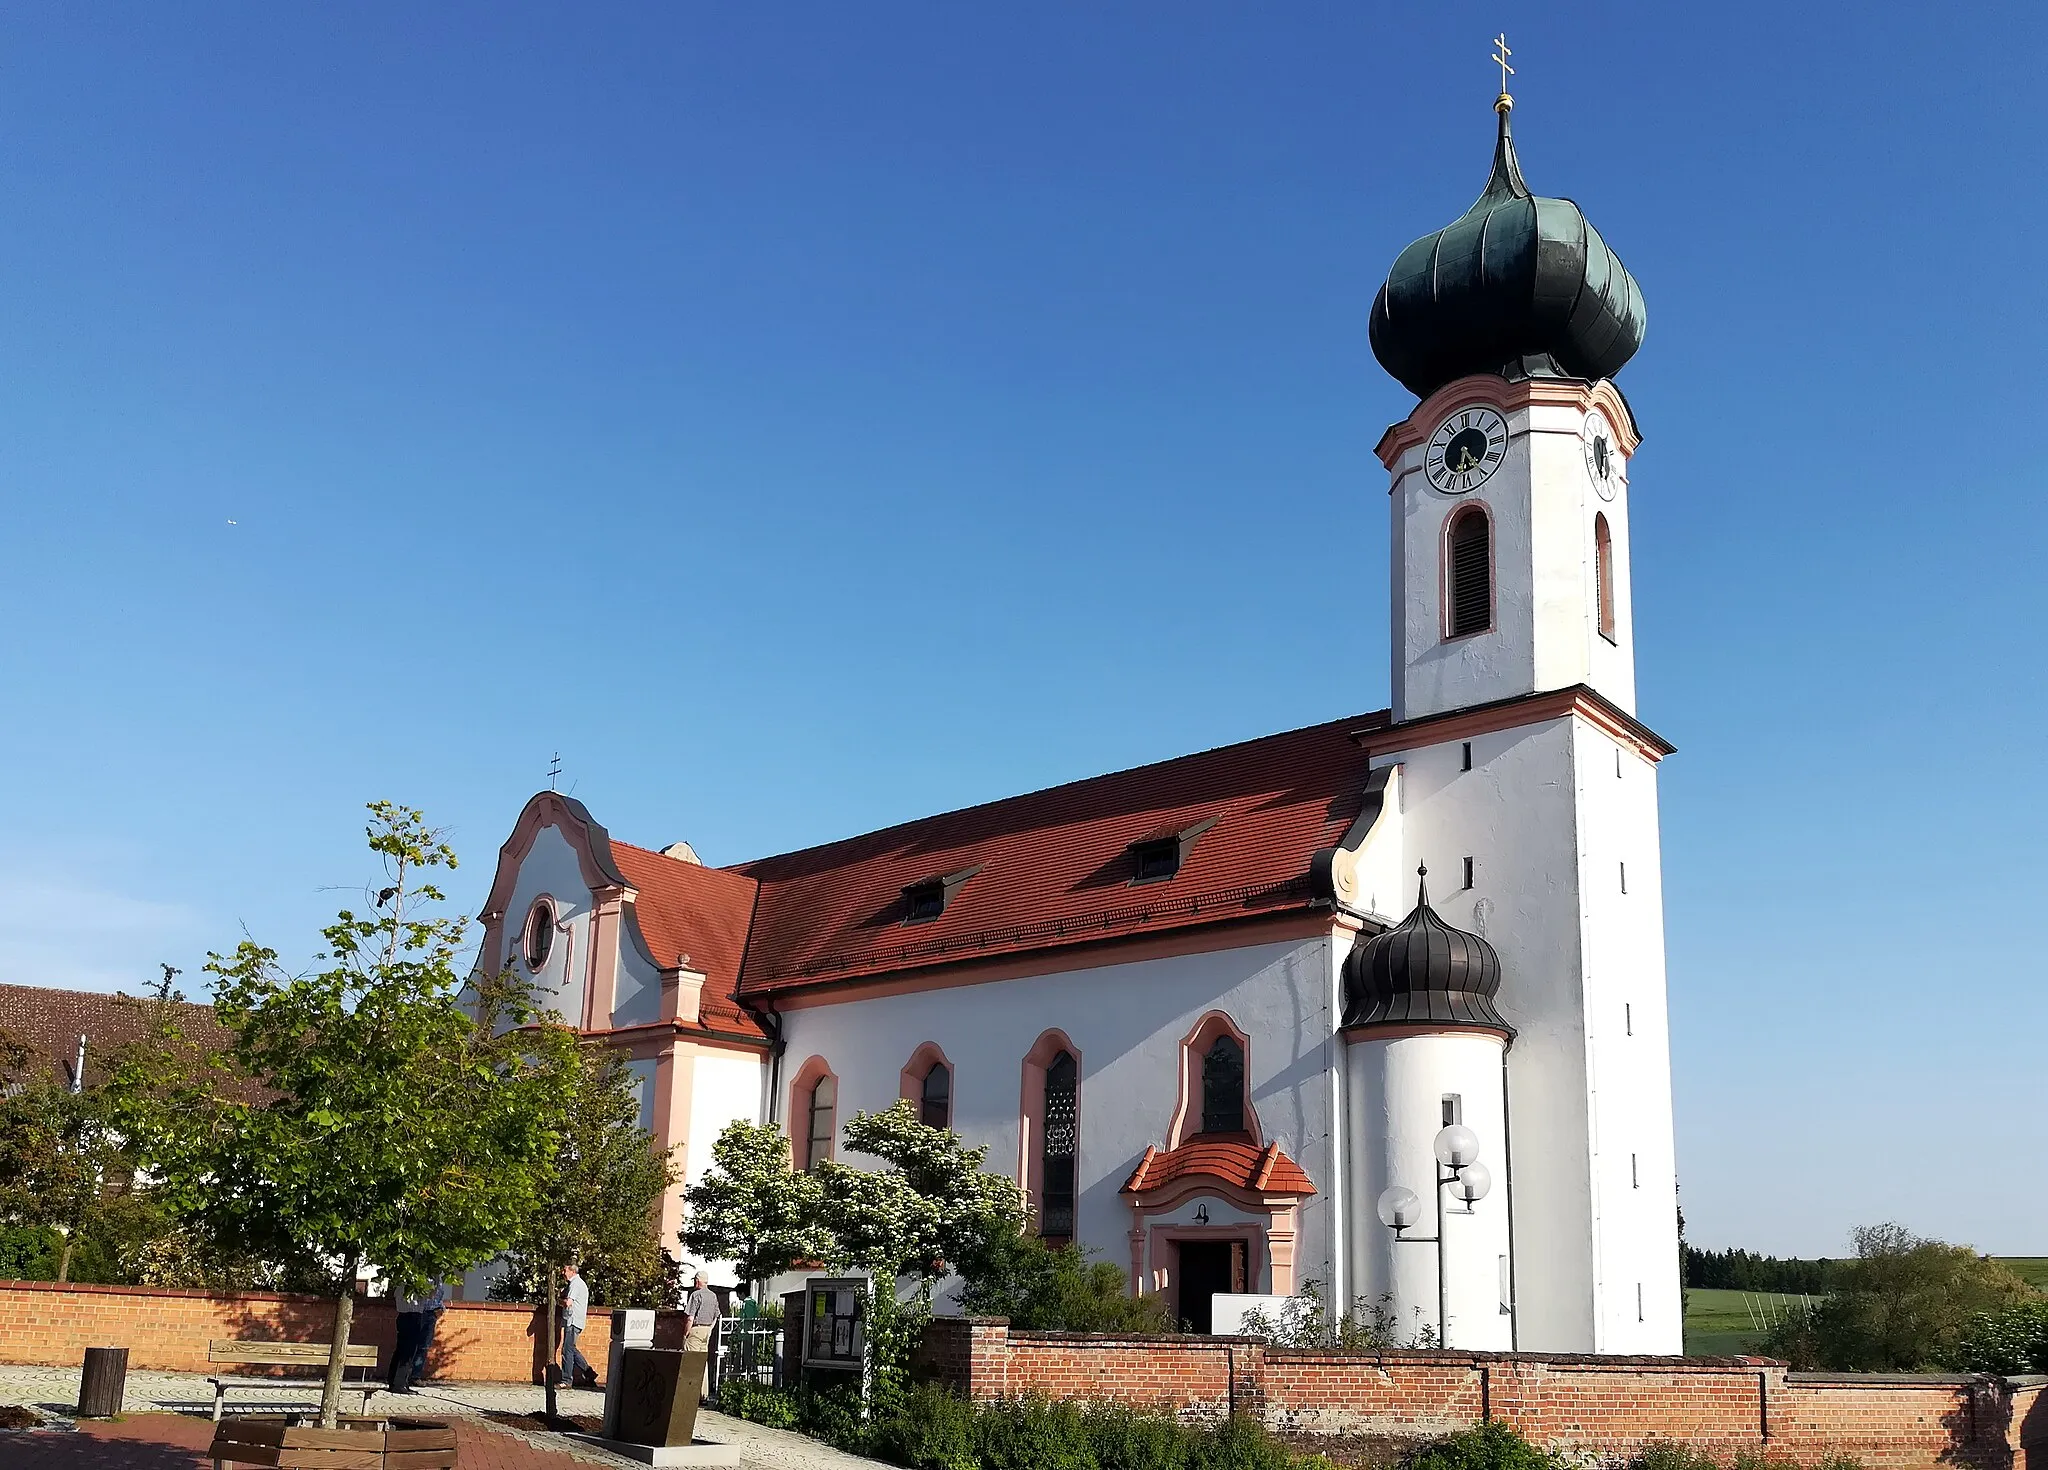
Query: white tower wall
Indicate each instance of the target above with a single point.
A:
(1396, 1089)
(1542, 503)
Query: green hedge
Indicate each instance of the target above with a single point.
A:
(936, 1430)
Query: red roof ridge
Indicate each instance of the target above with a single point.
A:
(1234, 1160)
(1372, 719)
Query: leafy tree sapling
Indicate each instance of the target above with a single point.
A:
(374, 1111)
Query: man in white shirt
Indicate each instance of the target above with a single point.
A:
(576, 1369)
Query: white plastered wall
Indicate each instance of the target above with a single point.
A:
(1397, 1088)
(1545, 632)
(552, 868)
(1628, 1057)
(1515, 814)
(1127, 1022)
(724, 1086)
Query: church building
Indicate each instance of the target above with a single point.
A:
(1221, 1015)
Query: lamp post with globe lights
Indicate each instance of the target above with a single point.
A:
(1457, 1169)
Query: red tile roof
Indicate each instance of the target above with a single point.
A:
(51, 1021)
(1054, 865)
(1050, 869)
(684, 908)
(1235, 1161)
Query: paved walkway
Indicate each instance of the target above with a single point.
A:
(168, 1422)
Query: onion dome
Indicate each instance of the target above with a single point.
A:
(1517, 285)
(1423, 971)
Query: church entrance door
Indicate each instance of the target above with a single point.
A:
(1201, 1269)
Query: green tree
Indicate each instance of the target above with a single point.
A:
(599, 1204)
(1901, 1306)
(753, 1209)
(63, 1166)
(377, 1111)
(933, 1209)
(1057, 1288)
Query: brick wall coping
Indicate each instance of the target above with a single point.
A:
(252, 1296)
(1914, 1380)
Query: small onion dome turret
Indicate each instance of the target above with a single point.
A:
(1423, 972)
(1516, 285)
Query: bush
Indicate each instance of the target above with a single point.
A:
(1124, 1438)
(1056, 1288)
(1494, 1446)
(935, 1431)
(756, 1402)
(29, 1252)
(2014, 1340)
(1900, 1307)
(1032, 1433)
(1239, 1444)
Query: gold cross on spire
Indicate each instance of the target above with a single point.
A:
(1501, 53)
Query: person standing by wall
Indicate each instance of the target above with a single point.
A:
(431, 1306)
(576, 1369)
(705, 1309)
(406, 1348)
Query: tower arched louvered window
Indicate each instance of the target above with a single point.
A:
(1059, 1143)
(1603, 574)
(1471, 572)
(824, 1107)
(935, 1097)
(1223, 1087)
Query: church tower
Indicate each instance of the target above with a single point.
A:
(1528, 788)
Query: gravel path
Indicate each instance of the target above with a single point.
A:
(55, 1390)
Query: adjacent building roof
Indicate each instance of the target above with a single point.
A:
(1236, 1162)
(51, 1021)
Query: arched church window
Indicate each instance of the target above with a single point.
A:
(935, 1097)
(540, 933)
(1059, 1144)
(1223, 1087)
(1603, 574)
(822, 1109)
(1471, 572)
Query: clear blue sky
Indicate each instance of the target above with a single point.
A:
(804, 417)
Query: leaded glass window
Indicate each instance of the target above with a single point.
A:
(1060, 1142)
(1223, 1087)
(824, 1105)
(935, 1098)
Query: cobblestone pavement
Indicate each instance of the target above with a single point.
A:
(169, 1420)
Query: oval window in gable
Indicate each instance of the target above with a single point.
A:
(540, 934)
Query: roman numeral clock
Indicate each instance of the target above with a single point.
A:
(1465, 450)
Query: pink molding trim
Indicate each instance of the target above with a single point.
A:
(1192, 1046)
(1268, 1248)
(814, 1070)
(1443, 580)
(548, 809)
(1603, 576)
(1499, 393)
(1031, 1109)
(607, 912)
(910, 1083)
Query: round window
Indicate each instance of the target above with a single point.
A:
(540, 933)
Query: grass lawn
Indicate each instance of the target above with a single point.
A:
(1723, 1323)
(2034, 1268)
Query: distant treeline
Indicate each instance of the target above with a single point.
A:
(1739, 1270)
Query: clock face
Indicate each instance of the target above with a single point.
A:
(1465, 450)
(1603, 461)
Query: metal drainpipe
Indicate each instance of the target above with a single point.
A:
(1340, 1142)
(1507, 1155)
(770, 1021)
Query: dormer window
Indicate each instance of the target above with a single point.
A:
(1157, 858)
(926, 900)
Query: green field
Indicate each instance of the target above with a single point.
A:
(1723, 1323)
(2034, 1268)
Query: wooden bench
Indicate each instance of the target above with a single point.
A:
(287, 1355)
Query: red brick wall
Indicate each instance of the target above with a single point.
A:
(168, 1330)
(1612, 1404)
